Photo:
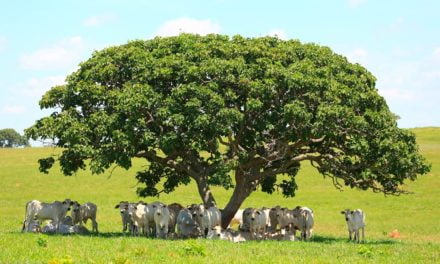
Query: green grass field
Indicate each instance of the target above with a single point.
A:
(415, 216)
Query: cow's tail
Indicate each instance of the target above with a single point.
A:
(25, 217)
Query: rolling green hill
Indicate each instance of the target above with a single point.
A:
(415, 216)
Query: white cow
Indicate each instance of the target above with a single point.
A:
(217, 233)
(281, 237)
(36, 210)
(174, 209)
(150, 223)
(273, 220)
(138, 216)
(285, 219)
(355, 220)
(33, 226)
(266, 212)
(82, 212)
(246, 220)
(257, 224)
(67, 220)
(207, 218)
(162, 220)
(186, 226)
(126, 220)
(49, 228)
(238, 218)
(304, 221)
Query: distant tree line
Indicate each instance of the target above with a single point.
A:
(9, 138)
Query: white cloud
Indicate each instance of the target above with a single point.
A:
(95, 21)
(13, 109)
(357, 55)
(436, 53)
(36, 87)
(397, 94)
(187, 25)
(62, 55)
(355, 3)
(277, 32)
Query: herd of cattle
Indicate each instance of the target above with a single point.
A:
(176, 221)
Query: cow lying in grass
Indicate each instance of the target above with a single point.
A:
(39, 211)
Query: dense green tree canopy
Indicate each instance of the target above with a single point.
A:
(214, 107)
(10, 138)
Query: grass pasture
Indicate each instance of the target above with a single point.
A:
(415, 216)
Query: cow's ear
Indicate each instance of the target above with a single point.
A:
(117, 206)
(298, 207)
(351, 212)
(342, 212)
(64, 202)
(258, 212)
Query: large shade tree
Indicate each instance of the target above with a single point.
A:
(242, 113)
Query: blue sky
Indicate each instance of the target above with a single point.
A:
(41, 42)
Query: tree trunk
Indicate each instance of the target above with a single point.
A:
(241, 191)
(204, 191)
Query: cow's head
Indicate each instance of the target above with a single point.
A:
(159, 209)
(255, 213)
(198, 210)
(75, 206)
(123, 206)
(67, 203)
(130, 209)
(348, 214)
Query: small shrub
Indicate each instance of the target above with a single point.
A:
(365, 251)
(193, 249)
(42, 242)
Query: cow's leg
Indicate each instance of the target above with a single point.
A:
(95, 225)
(165, 232)
(158, 231)
(24, 226)
(363, 234)
(57, 225)
(349, 235)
